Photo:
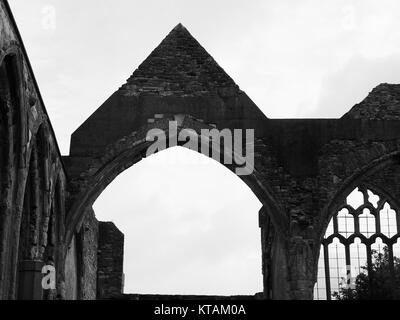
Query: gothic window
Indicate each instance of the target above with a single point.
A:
(366, 223)
(320, 291)
(330, 230)
(358, 256)
(365, 227)
(345, 223)
(337, 264)
(388, 221)
(378, 246)
(396, 249)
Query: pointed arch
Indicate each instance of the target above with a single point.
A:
(129, 151)
(362, 245)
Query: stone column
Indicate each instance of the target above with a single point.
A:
(301, 267)
(30, 280)
(110, 276)
(267, 235)
(279, 269)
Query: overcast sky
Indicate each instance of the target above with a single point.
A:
(190, 227)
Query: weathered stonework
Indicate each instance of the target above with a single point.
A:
(89, 237)
(304, 169)
(110, 277)
(180, 66)
(383, 103)
(32, 173)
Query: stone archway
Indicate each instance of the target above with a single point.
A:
(89, 183)
(302, 167)
(100, 172)
(178, 80)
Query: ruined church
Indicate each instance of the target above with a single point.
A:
(304, 171)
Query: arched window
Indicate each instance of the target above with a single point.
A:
(337, 264)
(345, 223)
(362, 236)
(358, 257)
(367, 223)
(388, 221)
(396, 249)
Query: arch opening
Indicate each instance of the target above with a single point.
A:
(130, 151)
(185, 234)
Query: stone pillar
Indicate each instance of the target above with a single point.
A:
(274, 260)
(110, 276)
(266, 248)
(289, 260)
(71, 270)
(89, 242)
(30, 280)
(279, 268)
(301, 267)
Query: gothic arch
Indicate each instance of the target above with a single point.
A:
(129, 151)
(357, 232)
(353, 182)
(392, 200)
(361, 177)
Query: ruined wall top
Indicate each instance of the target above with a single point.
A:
(180, 66)
(179, 77)
(383, 103)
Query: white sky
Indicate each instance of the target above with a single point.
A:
(193, 228)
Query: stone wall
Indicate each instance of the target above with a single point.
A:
(110, 276)
(303, 168)
(33, 179)
(382, 103)
(94, 262)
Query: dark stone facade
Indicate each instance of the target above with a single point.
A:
(110, 275)
(304, 169)
(383, 103)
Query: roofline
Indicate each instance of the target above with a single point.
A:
(12, 19)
